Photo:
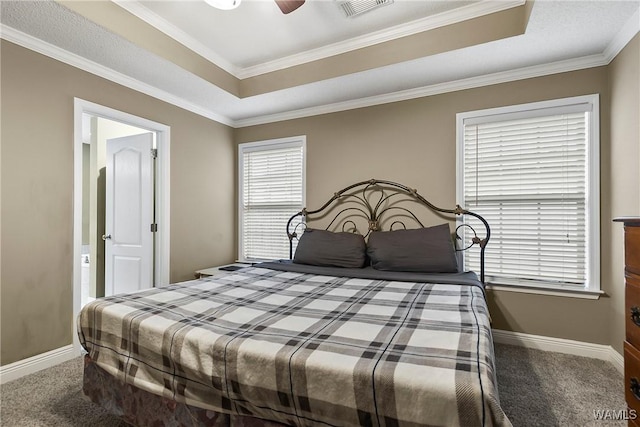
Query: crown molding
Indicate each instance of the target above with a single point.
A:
(436, 89)
(622, 37)
(27, 41)
(620, 40)
(454, 16)
(164, 26)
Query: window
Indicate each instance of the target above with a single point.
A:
(272, 189)
(532, 171)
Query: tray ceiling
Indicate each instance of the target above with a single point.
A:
(253, 64)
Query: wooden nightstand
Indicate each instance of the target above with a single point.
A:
(212, 271)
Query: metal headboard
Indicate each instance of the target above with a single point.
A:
(376, 201)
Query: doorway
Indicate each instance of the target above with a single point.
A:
(99, 135)
(121, 204)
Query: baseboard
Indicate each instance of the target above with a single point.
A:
(617, 360)
(19, 369)
(51, 358)
(559, 345)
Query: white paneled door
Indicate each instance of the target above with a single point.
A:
(129, 214)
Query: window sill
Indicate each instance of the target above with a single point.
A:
(546, 290)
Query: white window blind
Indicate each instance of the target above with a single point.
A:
(528, 172)
(272, 190)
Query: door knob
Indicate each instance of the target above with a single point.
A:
(106, 236)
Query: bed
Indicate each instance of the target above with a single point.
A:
(355, 329)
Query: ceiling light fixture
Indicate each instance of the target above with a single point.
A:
(223, 4)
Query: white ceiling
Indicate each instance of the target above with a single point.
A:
(257, 32)
(256, 37)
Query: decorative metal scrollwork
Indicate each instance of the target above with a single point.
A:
(354, 228)
(397, 222)
(377, 202)
(474, 239)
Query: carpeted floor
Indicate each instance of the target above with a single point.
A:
(539, 388)
(536, 389)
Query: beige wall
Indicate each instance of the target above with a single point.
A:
(624, 164)
(413, 142)
(37, 193)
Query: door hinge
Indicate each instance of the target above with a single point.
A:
(154, 228)
(154, 153)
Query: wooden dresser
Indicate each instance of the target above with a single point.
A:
(632, 310)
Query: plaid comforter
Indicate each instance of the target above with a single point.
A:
(305, 349)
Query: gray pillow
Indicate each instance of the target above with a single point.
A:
(425, 250)
(328, 249)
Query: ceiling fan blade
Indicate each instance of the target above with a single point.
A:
(288, 6)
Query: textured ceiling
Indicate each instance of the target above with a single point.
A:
(560, 35)
(257, 32)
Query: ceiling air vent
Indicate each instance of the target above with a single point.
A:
(353, 8)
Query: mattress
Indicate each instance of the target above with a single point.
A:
(307, 346)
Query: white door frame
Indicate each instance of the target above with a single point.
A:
(162, 205)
